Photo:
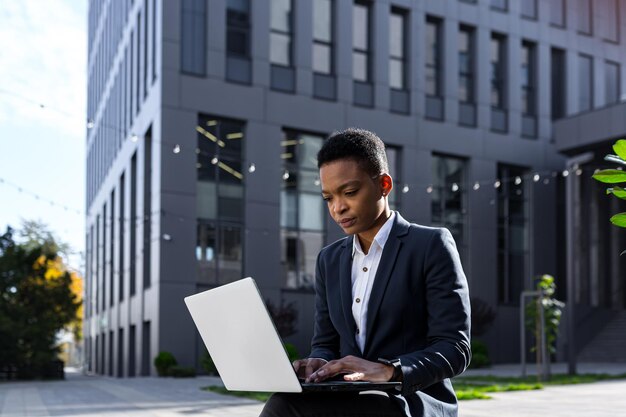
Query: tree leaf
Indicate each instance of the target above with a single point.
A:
(619, 219)
(620, 148)
(618, 192)
(610, 176)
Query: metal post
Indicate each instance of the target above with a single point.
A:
(571, 239)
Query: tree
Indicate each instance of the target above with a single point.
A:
(36, 301)
(615, 176)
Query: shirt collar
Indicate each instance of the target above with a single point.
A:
(380, 238)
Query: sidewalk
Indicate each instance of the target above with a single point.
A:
(96, 396)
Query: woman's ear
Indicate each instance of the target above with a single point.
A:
(386, 184)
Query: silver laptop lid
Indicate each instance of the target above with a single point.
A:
(241, 338)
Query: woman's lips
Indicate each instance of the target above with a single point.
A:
(345, 223)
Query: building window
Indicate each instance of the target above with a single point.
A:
(282, 77)
(512, 233)
(398, 66)
(361, 65)
(219, 197)
(121, 225)
(133, 225)
(529, 87)
(323, 62)
(434, 69)
(558, 78)
(147, 210)
(112, 250)
(501, 5)
(193, 37)
(467, 113)
(302, 209)
(611, 81)
(323, 50)
(448, 198)
(498, 83)
(608, 11)
(529, 9)
(281, 33)
(585, 17)
(557, 12)
(397, 50)
(238, 66)
(585, 80)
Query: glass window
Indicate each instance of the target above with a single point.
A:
(584, 16)
(433, 58)
(393, 160)
(585, 78)
(193, 37)
(558, 77)
(498, 60)
(512, 233)
(361, 42)
(302, 217)
(529, 8)
(499, 4)
(448, 198)
(397, 50)
(238, 28)
(557, 12)
(527, 77)
(466, 64)
(611, 81)
(219, 199)
(323, 36)
(281, 32)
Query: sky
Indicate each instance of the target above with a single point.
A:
(43, 66)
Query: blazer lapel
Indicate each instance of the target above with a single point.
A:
(383, 274)
(345, 282)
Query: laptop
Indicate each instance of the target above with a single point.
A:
(245, 346)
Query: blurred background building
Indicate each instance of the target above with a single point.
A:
(204, 119)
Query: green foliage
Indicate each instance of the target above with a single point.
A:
(480, 355)
(164, 362)
(292, 352)
(615, 176)
(181, 371)
(36, 302)
(207, 364)
(552, 311)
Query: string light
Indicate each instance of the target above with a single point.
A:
(579, 172)
(90, 124)
(476, 186)
(565, 173)
(134, 138)
(536, 177)
(176, 149)
(497, 184)
(518, 180)
(429, 189)
(214, 160)
(251, 168)
(455, 187)
(405, 189)
(285, 175)
(317, 182)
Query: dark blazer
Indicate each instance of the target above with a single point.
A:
(419, 311)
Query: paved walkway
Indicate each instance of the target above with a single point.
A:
(92, 396)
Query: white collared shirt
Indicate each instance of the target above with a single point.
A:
(364, 269)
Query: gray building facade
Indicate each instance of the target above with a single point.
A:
(204, 118)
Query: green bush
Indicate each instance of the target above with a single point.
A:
(480, 355)
(163, 363)
(208, 365)
(182, 372)
(292, 352)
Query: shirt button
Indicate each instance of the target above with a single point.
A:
(357, 331)
(358, 300)
(364, 269)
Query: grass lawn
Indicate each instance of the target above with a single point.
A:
(471, 387)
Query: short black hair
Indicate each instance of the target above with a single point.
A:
(360, 145)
